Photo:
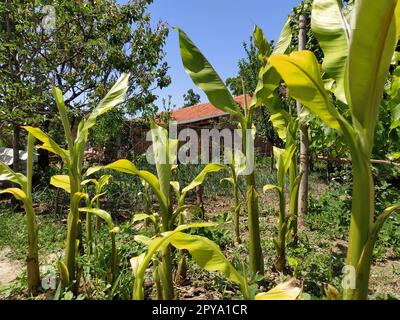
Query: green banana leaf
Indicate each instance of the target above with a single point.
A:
(100, 213)
(7, 174)
(62, 182)
(113, 98)
(288, 290)
(199, 179)
(284, 40)
(261, 43)
(126, 166)
(207, 255)
(301, 73)
(373, 42)
(48, 143)
(205, 77)
(332, 31)
(17, 193)
(140, 264)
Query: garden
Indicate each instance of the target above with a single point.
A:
(312, 216)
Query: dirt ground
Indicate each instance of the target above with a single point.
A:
(9, 269)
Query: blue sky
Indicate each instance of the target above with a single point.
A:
(218, 28)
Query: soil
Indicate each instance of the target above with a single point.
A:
(10, 269)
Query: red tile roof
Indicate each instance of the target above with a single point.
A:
(202, 111)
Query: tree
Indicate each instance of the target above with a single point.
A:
(19, 95)
(79, 48)
(191, 98)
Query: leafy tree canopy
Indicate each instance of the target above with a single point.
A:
(81, 48)
(191, 98)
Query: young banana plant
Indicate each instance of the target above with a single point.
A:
(24, 194)
(285, 124)
(181, 208)
(164, 150)
(145, 194)
(206, 78)
(208, 256)
(164, 157)
(237, 164)
(284, 159)
(99, 186)
(73, 161)
(113, 230)
(358, 59)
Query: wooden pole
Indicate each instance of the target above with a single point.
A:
(304, 144)
(348, 160)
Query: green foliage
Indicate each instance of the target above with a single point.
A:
(108, 129)
(364, 94)
(190, 98)
(330, 213)
(73, 161)
(24, 194)
(220, 234)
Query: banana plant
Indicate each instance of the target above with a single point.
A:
(358, 60)
(285, 123)
(93, 203)
(164, 150)
(181, 208)
(206, 78)
(113, 231)
(24, 194)
(164, 158)
(283, 162)
(208, 256)
(145, 194)
(237, 164)
(63, 182)
(73, 161)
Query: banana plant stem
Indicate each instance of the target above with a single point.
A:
(32, 260)
(360, 224)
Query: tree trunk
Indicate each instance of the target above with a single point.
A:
(16, 160)
(43, 159)
(199, 200)
(304, 144)
(43, 155)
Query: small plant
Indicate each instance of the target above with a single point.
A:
(358, 59)
(237, 165)
(113, 230)
(73, 161)
(283, 162)
(164, 157)
(24, 194)
(209, 257)
(206, 78)
(146, 195)
(94, 203)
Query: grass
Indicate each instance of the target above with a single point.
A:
(13, 233)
